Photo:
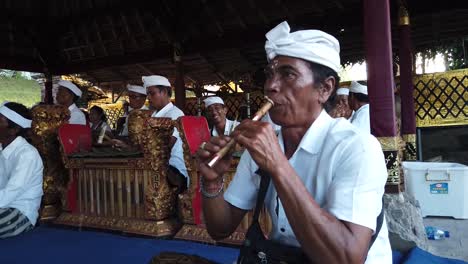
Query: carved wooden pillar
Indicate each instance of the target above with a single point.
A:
(377, 32)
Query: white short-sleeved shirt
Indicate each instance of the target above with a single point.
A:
(361, 119)
(21, 173)
(76, 115)
(124, 132)
(177, 153)
(228, 127)
(343, 170)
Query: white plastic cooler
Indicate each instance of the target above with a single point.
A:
(440, 188)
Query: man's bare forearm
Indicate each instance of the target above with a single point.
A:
(221, 217)
(322, 236)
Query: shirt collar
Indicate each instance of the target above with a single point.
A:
(362, 108)
(314, 137)
(72, 107)
(19, 140)
(164, 110)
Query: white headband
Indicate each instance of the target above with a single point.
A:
(155, 80)
(342, 91)
(70, 86)
(136, 89)
(358, 88)
(213, 100)
(310, 45)
(15, 117)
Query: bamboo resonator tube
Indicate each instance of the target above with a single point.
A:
(225, 150)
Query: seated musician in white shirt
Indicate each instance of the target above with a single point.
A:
(68, 93)
(137, 99)
(216, 114)
(159, 94)
(327, 178)
(21, 173)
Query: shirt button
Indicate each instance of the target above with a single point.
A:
(282, 229)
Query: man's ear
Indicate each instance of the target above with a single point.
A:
(327, 88)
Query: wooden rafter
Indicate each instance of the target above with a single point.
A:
(116, 38)
(289, 15)
(139, 21)
(74, 31)
(145, 69)
(99, 36)
(259, 11)
(127, 30)
(215, 70)
(88, 43)
(231, 8)
(210, 14)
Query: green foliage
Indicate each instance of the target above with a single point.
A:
(20, 90)
(454, 53)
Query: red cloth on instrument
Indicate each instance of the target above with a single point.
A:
(74, 138)
(196, 131)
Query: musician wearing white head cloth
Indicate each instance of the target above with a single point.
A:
(68, 93)
(159, 93)
(21, 173)
(359, 102)
(327, 179)
(137, 99)
(341, 105)
(216, 114)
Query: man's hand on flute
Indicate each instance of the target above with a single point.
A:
(206, 152)
(261, 141)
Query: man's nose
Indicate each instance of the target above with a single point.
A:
(272, 85)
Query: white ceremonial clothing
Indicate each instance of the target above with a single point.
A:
(361, 119)
(228, 127)
(177, 153)
(99, 126)
(343, 170)
(124, 132)
(21, 174)
(76, 115)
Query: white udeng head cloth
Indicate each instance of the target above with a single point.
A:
(342, 91)
(70, 86)
(15, 117)
(310, 45)
(136, 89)
(155, 80)
(358, 88)
(213, 100)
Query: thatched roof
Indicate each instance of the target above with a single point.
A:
(221, 40)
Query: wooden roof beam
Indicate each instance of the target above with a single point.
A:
(98, 33)
(119, 39)
(260, 12)
(145, 69)
(77, 43)
(289, 15)
(89, 44)
(231, 8)
(127, 30)
(210, 14)
(139, 21)
(215, 70)
(119, 73)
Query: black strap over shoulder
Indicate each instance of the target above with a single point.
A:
(264, 183)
